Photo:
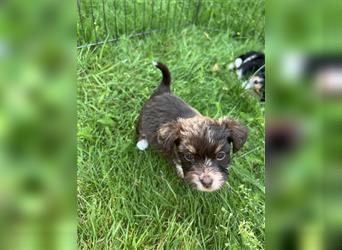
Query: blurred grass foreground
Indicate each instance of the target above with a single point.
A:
(37, 125)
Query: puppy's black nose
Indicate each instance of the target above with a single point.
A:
(206, 181)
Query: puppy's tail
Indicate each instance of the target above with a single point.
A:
(166, 81)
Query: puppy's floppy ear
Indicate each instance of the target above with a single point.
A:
(237, 132)
(168, 135)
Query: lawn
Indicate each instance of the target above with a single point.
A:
(129, 199)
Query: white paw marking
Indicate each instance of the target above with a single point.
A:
(154, 63)
(238, 62)
(142, 144)
(179, 170)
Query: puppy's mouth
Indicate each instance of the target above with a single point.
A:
(205, 182)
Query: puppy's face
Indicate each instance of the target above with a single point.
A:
(256, 83)
(204, 153)
(201, 148)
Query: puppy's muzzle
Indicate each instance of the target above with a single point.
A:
(206, 181)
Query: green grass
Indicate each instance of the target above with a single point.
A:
(128, 199)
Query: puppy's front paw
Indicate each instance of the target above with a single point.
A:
(142, 144)
(179, 170)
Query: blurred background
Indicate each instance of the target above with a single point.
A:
(37, 125)
(304, 125)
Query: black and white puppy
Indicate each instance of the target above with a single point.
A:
(251, 67)
(197, 145)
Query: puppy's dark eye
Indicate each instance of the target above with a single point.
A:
(188, 157)
(220, 156)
